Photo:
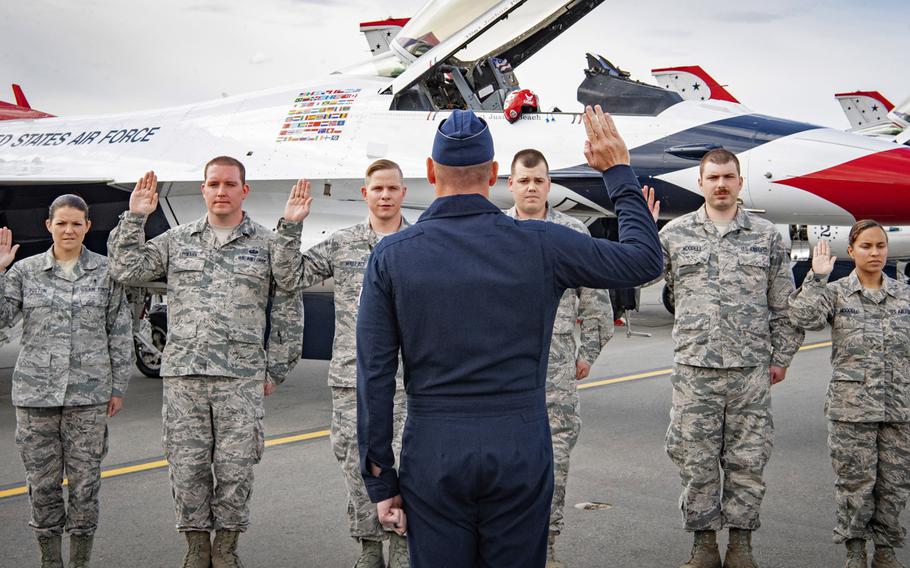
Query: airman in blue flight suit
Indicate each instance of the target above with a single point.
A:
(469, 295)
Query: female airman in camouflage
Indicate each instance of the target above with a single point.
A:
(71, 375)
(868, 402)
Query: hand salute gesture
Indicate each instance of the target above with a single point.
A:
(144, 199)
(298, 206)
(7, 249)
(822, 261)
(604, 148)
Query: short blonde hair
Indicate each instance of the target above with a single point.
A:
(380, 165)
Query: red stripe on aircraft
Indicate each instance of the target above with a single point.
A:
(871, 94)
(400, 22)
(865, 186)
(717, 91)
(14, 112)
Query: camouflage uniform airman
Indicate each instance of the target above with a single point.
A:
(731, 323)
(593, 309)
(76, 352)
(216, 357)
(343, 256)
(868, 400)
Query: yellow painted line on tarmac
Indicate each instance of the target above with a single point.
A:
(296, 438)
(665, 372)
(158, 464)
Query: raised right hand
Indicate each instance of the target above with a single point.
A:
(144, 198)
(653, 206)
(7, 248)
(298, 205)
(604, 148)
(822, 261)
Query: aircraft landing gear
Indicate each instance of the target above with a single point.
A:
(150, 336)
(666, 296)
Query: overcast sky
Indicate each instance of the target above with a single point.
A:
(783, 58)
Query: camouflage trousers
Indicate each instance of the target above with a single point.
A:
(362, 518)
(720, 422)
(565, 424)
(872, 467)
(213, 436)
(54, 441)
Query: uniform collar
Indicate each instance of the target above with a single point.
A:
(245, 227)
(458, 206)
(366, 230)
(513, 213)
(889, 285)
(86, 261)
(740, 221)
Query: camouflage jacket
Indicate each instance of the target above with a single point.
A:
(730, 292)
(592, 307)
(343, 256)
(217, 297)
(870, 333)
(77, 336)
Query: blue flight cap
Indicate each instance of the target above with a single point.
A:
(463, 139)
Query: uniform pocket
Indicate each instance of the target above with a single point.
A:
(187, 269)
(691, 262)
(33, 357)
(183, 329)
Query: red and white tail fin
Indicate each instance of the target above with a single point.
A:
(21, 110)
(865, 109)
(380, 34)
(692, 83)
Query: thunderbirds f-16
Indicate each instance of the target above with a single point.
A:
(449, 55)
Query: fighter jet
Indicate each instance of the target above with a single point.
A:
(450, 54)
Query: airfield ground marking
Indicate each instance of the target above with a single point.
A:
(663, 372)
(158, 464)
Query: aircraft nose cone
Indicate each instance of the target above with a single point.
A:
(875, 186)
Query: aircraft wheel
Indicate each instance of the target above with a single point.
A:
(148, 361)
(667, 298)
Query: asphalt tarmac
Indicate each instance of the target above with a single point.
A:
(619, 466)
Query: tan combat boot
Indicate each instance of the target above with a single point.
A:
(198, 550)
(370, 554)
(884, 558)
(50, 549)
(80, 550)
(224, 549)
(704, 551)
(552, 561)
(856, 553)
(398, 551)
(739, 550)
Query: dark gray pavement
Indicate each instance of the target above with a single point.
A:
(298, 503)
